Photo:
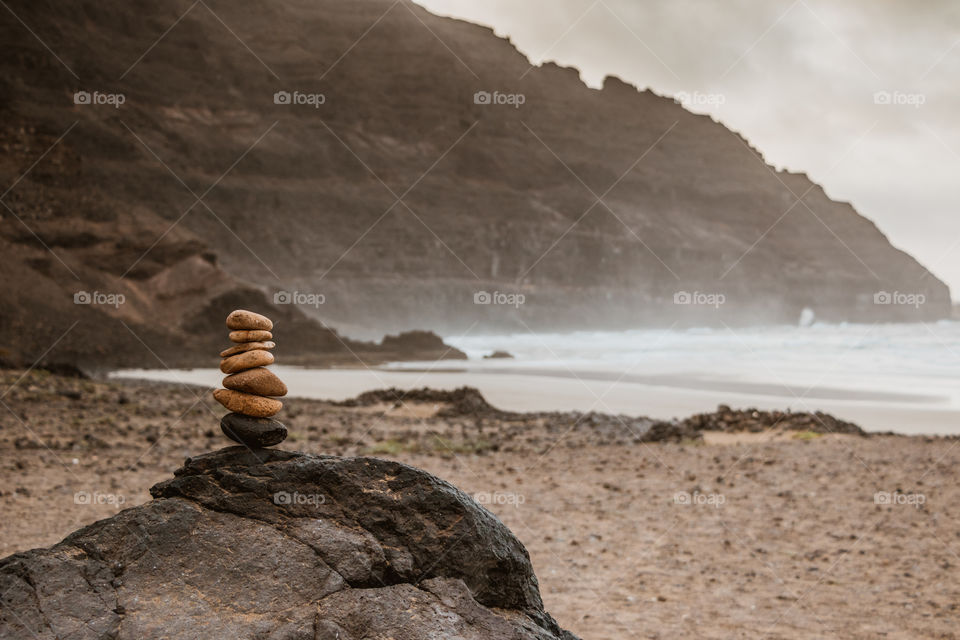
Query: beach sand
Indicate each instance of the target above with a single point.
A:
(773, 535)
(663, 398)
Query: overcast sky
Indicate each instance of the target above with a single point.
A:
(798, 79)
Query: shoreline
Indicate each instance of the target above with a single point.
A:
(674, 397)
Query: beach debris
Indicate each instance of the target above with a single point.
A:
(251, 389)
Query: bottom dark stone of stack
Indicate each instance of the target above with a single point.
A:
(253, 432)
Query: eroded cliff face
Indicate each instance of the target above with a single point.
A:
(404, 194)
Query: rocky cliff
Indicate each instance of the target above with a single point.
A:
(287, 546)
(381, 168)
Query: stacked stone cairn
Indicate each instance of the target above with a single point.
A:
(251, 389)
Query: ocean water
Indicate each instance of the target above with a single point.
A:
(885, 377)
(896, 363)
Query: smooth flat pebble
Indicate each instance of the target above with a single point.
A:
(247, 404)
(246, 346)
(244, 320)
(250, 336)
(246, 360)
(253, 432)
(258, 381)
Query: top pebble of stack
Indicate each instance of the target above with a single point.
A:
(242, 320)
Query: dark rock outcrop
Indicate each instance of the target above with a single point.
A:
(468, 402)
(462, 401)
(756, 421)
(418, 345)
(285, 546)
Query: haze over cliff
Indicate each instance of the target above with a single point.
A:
(385, 167)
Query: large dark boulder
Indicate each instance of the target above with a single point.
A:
(280, 545)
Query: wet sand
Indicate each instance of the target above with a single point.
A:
(665, 398)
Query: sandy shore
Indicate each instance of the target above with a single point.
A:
(663, 398)
(772, 535)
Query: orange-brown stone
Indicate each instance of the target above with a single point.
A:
(247, 404)
(250, 336)
(258, 381)
(246, 346)
(246, 360)
(244, 320)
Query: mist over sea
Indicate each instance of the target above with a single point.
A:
(896, 377)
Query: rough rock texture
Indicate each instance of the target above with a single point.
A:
(285, 546)
(461, 401)
(755, 420)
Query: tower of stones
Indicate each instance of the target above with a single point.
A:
(251, 388)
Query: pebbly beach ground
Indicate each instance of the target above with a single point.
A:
(769, 534)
